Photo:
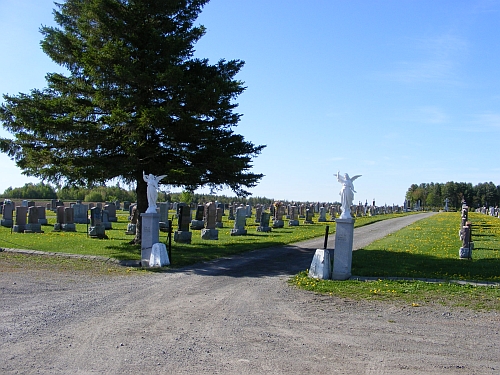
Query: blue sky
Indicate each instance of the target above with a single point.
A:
(400, 92)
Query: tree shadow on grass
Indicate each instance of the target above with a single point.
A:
(385, 263)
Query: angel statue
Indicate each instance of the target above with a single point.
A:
(152, 181)
(346, 194)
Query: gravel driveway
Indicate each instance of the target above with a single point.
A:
(231, 316)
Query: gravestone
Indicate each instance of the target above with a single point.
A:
(222, 206)
(111, 208)
(7, 214)
(134, 216)
(302, 211)
(42, 216)
(198, 223)
(240, 222)
(183, 235)
(105, 219)
(209, 232)
(279, 212)
(20, 225)
(60, 215)
(258, 212)
(309, 216)
(218, 219)
(126, 205)
(80, 213)
(164, 206)
(32, 226)
(264, 222)
(96, 229)
(292, 211)
(322, 215)
(231, 212)
(249, 210)
(68, 225)
(465, 252)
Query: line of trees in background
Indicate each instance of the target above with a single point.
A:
(115, 193)
(433, 195)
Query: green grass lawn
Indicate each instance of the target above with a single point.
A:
(426, 249)
(117, 245)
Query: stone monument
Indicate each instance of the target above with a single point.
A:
(150, 224)
(292, 212)
(20, 225)
(198, 223)
(240, 222)
(183, 235)
(7, 214)
(264, 222)
(344, 234)
(279, 212)
(210, 232)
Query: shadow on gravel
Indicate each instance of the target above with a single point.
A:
(275, 261)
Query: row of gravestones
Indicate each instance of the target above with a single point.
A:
(492, 211)
(29, 219)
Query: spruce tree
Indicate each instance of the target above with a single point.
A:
(134, 99)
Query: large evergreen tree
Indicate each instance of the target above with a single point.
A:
(134, 99)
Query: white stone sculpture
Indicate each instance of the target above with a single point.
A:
(346, 194)
(152, 181)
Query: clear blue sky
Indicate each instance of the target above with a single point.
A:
(397, 91)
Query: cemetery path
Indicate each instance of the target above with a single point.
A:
(231, 316)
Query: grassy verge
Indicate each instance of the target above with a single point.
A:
(117, 245)
(426, 249)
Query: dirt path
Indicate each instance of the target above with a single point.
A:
(231, 316)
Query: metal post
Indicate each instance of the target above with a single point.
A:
(170, 241)
(327, 228)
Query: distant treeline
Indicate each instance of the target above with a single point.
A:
(433, 195)
(114, 193)
(46, 191)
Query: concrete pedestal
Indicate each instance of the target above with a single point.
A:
(320, 265)
(150, 234)
(342, 256)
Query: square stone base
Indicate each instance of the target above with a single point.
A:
(238, 232)
(183, 236)
(209, 234)
(263, 229)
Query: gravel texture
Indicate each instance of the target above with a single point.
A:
(231, 316)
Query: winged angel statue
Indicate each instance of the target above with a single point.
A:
(346, 194)
(152, 191)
